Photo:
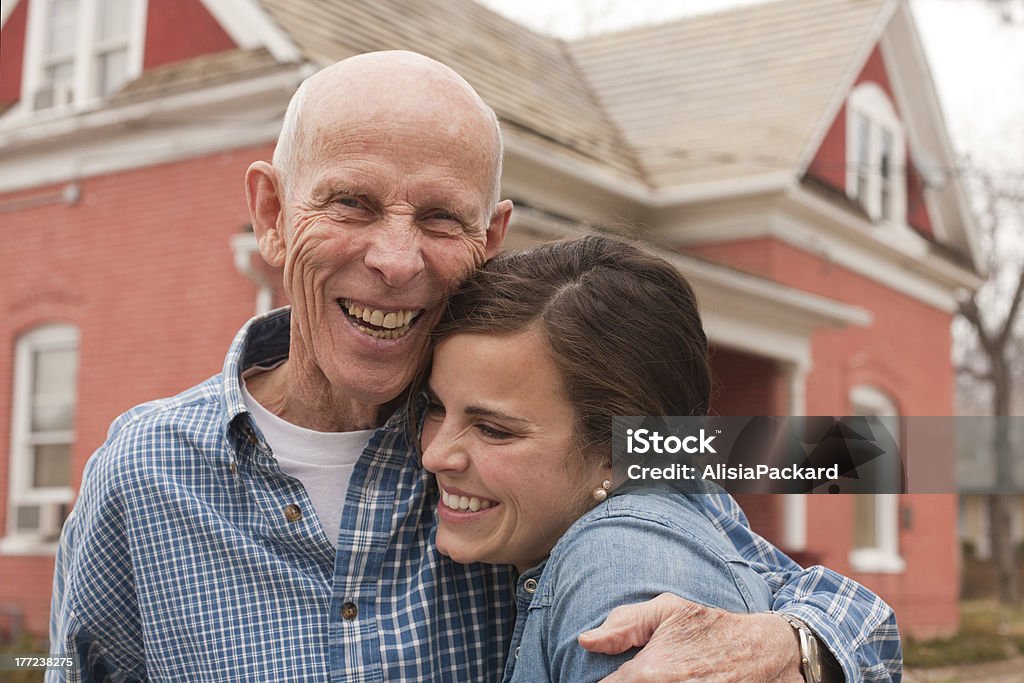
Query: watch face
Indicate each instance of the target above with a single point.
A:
(814, 659)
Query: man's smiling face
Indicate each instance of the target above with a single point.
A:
(389, 206)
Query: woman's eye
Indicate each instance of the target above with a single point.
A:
(493, 432)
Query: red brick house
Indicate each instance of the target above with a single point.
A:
(787, 157)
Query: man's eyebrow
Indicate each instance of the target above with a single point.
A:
(333, 185)
(322, 196)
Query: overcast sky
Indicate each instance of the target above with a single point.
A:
(977, 60)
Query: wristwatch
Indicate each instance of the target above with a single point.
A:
(811, 665)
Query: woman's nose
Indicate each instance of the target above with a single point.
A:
(442, 451)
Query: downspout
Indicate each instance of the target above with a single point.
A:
(244, 248)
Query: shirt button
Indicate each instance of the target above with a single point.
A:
(292, 513)
(349, 611)
(530, 585)
(517, 652)
(250, 435)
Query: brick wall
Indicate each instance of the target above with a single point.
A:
(142, 265)
(906, 353)
(749, 385)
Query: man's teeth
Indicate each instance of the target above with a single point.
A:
(396, 323)
(472, 503)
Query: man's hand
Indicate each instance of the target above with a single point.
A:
(684, 641)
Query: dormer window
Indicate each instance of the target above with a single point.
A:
(58, 55)
(876, 155)
(80, 51)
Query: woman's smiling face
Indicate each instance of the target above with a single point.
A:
(499, 436)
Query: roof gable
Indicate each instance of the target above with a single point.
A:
(896, 62)
(930, 149)
(177, 30)
(831, 164)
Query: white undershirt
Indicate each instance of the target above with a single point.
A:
(321, 461)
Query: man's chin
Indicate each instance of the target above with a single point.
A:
(381, 393)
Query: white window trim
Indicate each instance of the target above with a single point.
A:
(19, 490)
(885, 557)
(86, 49)
(871, 102)
(794, 505)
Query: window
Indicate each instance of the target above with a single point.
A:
(876, 154)
(79, 51)
(876, 516)
(42, 433)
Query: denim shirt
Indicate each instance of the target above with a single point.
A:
(629, 549)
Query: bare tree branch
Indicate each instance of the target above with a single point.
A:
(1011, 316)
(974, 373)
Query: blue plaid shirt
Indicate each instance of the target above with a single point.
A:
(190, 556)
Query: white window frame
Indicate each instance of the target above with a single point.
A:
(84, 95)
(20, 489)
(869, 101)
(885, 556)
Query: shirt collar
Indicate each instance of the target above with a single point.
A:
(264, 341)
(261, 341)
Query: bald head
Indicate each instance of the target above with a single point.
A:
(393, 86)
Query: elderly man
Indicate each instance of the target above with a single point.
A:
(273, 524)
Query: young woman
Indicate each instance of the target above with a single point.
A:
(536, 354)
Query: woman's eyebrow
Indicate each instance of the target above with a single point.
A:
(490, 412)
(478, 411)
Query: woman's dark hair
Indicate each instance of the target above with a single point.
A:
(622, 327)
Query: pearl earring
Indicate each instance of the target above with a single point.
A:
(601, 492)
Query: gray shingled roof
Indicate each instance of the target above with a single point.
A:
(529, 79)
(730, 94)
(208, 70)
(712, 97)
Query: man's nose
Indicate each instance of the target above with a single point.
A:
(395, 251)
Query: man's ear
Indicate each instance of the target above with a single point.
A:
(264, 196)
(497, 228)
